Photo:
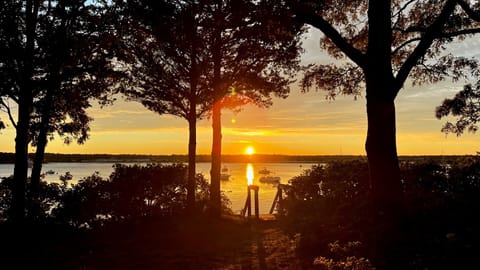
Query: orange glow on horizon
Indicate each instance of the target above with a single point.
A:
(250, 174)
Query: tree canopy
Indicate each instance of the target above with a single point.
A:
(193, 58)
(55, 60)
(416, 33)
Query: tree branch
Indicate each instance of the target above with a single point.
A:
(403, 8)
(474, 15)
(404, 44)
(318, 22)
(9, 112)
(460, 33)
(432, 32)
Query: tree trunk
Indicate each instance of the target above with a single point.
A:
(41, 145)
(25, 101)
(387, 208)
(21, 159)
(38, 159)
(382, 156)
(192, 146)
(215, 198)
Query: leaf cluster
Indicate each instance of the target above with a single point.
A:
(465, 106)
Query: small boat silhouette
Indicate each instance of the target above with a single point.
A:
(270, 179)
(264, 171)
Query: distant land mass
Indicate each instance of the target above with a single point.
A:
(256, 158)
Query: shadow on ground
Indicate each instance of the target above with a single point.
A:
(180, 243)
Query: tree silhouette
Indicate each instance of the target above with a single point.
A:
(379, 45)
(55, 62)
(17, 41)
(254, 49)
(164, 49)
(465, 106)
(76, 63)
(192, 58)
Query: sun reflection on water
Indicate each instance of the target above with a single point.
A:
(250, 174)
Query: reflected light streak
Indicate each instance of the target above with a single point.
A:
(250, 174)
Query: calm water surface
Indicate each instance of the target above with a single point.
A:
(235, 188)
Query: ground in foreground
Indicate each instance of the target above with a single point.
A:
(187, 243)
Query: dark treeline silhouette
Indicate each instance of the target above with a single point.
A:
(9, 158)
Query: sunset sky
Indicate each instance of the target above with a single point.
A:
(303, 124)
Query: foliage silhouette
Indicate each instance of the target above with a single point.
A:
(465, 106)
(378, 45)
(131, 193)
(56, 59)
(163, 47)
(192, 58)
(330, 204)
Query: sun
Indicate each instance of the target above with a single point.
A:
(250, 150)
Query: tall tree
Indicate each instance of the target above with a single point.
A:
(379, 44)
(164, 49)
(254, 49)
(187, 61)
(19, 23)
(50, 73)
(465, 106)
(75, 63)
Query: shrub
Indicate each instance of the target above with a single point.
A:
(128, 194)
(327, 203)
(439, 230)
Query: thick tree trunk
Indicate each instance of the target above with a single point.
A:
(385, 182)
(382, 156)
(215, 198)
(192, 146)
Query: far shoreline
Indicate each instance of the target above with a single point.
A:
(8, 158)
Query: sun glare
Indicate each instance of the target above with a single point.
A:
(250, 150)
(250, 174)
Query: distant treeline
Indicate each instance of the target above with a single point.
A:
(53, 157)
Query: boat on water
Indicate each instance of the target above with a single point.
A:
(50, 172)
(225, 175)
(264, 171)
(269, 179)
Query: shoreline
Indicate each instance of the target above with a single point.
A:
(8, 158)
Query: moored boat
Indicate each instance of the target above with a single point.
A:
(270, 179)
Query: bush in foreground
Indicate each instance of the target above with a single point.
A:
(330, 206)
(130, 193)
